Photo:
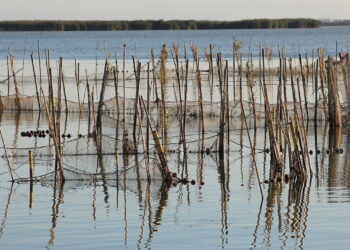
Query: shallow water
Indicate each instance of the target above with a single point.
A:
(225, 212)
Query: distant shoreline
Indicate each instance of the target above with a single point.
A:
(57, 25)
(336, 23)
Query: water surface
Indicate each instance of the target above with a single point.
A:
(83, 45)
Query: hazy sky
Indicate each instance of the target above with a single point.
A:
(175, 9)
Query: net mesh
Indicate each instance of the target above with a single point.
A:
(30, 103)
(93, 168)
(85, 145)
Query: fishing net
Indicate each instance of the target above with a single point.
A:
(81, 161)
(91, 168)
(210, 108)
(85, 145)
(153, 188)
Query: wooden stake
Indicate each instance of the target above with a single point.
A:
(36, 85)
(30, 156)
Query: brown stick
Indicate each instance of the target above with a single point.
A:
(137, 78)
(252, 147)
(36, 85)
(18, 102)
(144, 148)
(148, 101)
(8, 75)
(77, 81)
(164, 170)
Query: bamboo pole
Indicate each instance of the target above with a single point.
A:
(24, 56)
(30, 156)
(77, 81)
(316, 91)
(154, 75)
(148, 110)
(137, 71)
(211, 71)
(200, 95)
(8, 76)
(59, 172)
(302, 72)
(51, 99)
(164, 169)
(334, 109)
(116, 86)
(98, 130)
(65, 94)
(222, 105)
(163, 82)
(124, 93)
(18, 102)
(227, 105)
(185, 111)
(58, 118)
(89, 101)
(39, 62)
(144, 148)
(36, 85)
(252, 147)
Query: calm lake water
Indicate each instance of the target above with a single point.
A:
(227, 212)
(83, 45)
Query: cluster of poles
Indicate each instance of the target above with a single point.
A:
(287, 127)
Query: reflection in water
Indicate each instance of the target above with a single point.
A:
(265, 154)
(291, 219)
(103, 174)
(149, 219)
(299, 199)
(280, 220)
(162, 204)
(338, 165)
(94, 202)
(346, 173)
(6, 210)
(334, 142)
(322, 170)
(56, 201)
(17, 123)
(255, 234)
(153, 220)
(223, 170)
(317, 170)
(125, 214)
(147, 198)
(274, 192)
(31, 193)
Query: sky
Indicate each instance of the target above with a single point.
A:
(175, 9)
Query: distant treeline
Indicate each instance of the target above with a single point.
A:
(43, 25)
(337, 23)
